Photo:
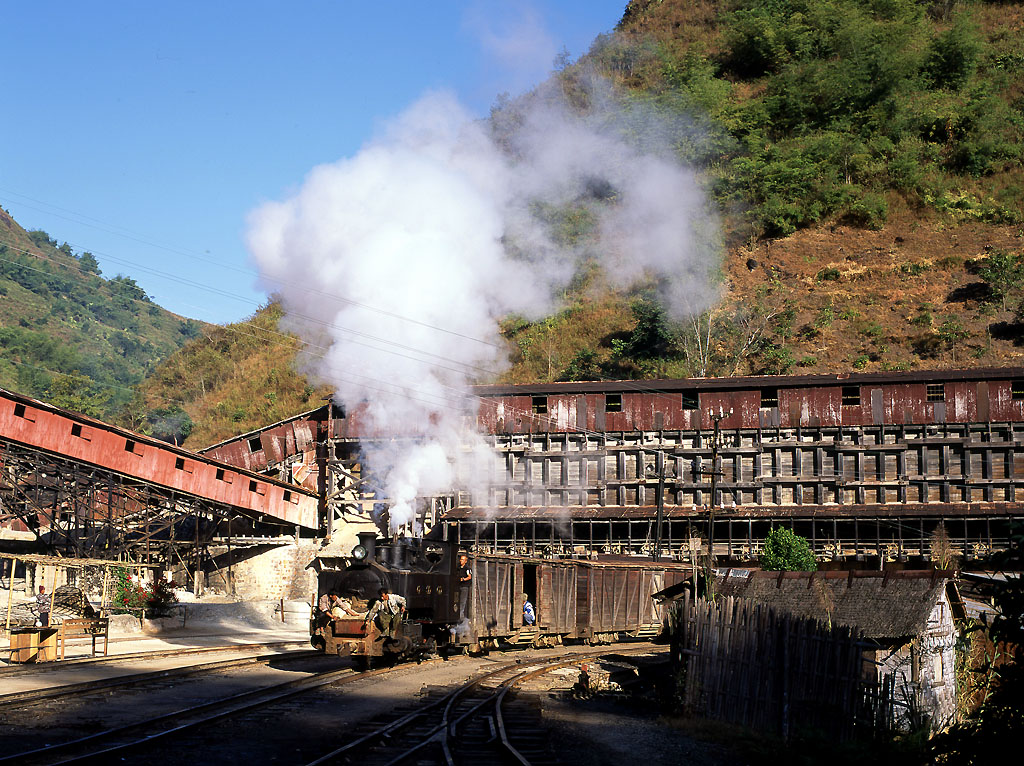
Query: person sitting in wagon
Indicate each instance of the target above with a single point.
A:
(388, 611)
(529, 615)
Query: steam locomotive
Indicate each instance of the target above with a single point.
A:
(588, 600)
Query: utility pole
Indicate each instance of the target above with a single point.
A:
(659, 457)
(324, 447)
(709, 558)
(199, 559)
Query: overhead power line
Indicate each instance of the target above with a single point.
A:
(127, 234)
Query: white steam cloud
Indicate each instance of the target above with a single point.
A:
(398, 262)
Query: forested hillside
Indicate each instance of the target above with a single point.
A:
(229, 380)
(70, 336)
(865, 159)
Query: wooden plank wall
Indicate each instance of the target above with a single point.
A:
(744, 663)
(491, 601)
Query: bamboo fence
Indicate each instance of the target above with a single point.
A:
(747, 664)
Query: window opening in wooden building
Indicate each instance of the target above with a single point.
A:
(691, 400)
(254, 444)
(1017, 389)
(936, 392)
(613, 403)
(769, 397)
(851, 396)
(540, 405)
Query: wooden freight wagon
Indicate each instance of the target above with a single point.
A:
(496, 602)
(573, 598)
(616, 597)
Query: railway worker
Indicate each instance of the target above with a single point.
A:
(43, 607)
(341, 607)
(465, 581)
(388, 612)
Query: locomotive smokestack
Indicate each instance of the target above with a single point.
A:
(369, 542)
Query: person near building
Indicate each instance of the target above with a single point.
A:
(387, 613)
(465, 582)
(529, 615)
(43, 606)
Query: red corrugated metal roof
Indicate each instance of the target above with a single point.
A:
(59, 431)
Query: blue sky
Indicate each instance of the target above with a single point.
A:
(145, 133)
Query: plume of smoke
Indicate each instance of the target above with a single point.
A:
(397, 261)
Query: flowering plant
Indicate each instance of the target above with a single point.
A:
(131, 597)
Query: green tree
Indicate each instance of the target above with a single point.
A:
(786, 551)
(994, 730)
(951, 332)
(77, 392)
(170, 424)
(584, 366)
(89, 263)
(777, 359)
(653, 335)
(1003, 272)
(953, 55)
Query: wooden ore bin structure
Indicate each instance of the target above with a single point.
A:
(594, 601)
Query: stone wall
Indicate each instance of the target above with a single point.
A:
(263, 572)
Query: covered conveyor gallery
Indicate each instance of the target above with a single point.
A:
(80, 487)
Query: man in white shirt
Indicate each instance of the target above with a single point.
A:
(388, 611)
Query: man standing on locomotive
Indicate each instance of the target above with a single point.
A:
(465, 581)
(388, 610)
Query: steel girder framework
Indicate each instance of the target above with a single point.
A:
(80, 510)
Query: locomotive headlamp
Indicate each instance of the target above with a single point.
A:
(359, 553)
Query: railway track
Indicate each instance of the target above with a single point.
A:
(19, 699)
(471, 724)
(33, 668)
(475, 721)
(121, 741)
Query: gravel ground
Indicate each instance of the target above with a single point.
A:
(612, 726)
(604, 730)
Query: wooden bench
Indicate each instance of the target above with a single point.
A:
(94, 627)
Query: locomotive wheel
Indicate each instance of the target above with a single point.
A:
(318, 643)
